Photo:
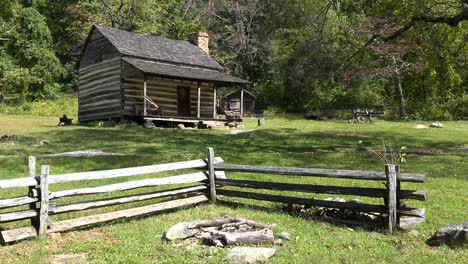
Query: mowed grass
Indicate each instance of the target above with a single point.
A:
(284, 141)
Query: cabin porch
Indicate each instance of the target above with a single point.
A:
(152, 96)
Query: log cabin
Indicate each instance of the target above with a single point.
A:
(125, 75)
(232, 102)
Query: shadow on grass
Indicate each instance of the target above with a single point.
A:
(362, 225)
(145, 141)
(293, 147)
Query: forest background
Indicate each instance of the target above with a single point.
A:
(300, 55)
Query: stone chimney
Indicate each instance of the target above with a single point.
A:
(201, 39)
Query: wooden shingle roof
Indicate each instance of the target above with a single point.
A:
(158, 48)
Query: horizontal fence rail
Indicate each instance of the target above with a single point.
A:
(127, 199)
(329, 173)
(180, 179)
(357, 191)
(17, 201)
(107, 174)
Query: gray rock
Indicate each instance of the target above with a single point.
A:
(279, 242)
(420, 126)
(180, 126)
(180, 231)
(70, 258)
(149, 124)
(414, 233)
(55, 236)
(7, 137)
(451, 235)
(437, 125)
(284, 235)
(238, 131)
(242, 255)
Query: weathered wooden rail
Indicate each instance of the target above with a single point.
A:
(39, 194)
(209, 183)
(392, 194)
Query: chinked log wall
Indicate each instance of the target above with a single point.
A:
(99, 81)
(99, 95)
(206, 184)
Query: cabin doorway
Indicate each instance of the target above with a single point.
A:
(183, 101)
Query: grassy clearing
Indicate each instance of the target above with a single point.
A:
(284, 141)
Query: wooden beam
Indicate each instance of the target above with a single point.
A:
(398, 192)
(144, 97)
(44, 210)
(123, 200)
(214, 102)
(242, 102)
(198, 99)
(9, 236)
(108, 174)
(211, 174)
(180, 179)
(359, 191)
(19, 215)
(391, 199)
(328, 173)
(17, 201)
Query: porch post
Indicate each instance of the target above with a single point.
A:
(214, 101)
(198, 100)
(242, 102)
(144, 97)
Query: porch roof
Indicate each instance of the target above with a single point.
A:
(183, 71)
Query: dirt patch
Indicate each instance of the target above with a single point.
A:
(82, 153)
(57, 243)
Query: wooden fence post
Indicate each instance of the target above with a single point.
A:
(391, 175)
(32, 189)
(44, 199)
(398, 189)
(211, 174)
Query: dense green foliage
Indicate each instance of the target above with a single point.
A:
(300, 55)
(51, 108)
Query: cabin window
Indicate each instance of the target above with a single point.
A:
(234, 104)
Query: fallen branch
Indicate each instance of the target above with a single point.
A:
(228, 238)
(228, 221)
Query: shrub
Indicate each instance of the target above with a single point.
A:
(458, 108)
(56, 108)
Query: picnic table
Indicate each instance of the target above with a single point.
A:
(366, 115)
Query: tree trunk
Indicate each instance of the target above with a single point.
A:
(402, 99)
(400, 92)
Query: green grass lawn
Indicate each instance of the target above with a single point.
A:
(284, 141)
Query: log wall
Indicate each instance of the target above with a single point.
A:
(99, 93)
(163, 91)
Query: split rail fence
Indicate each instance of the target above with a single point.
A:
(209, 182)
